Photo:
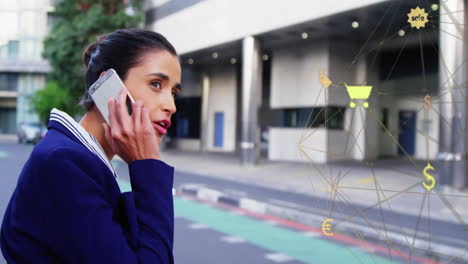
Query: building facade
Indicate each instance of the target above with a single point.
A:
(279, 79)
(22, 68)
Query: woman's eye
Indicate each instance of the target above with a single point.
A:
(174, 94)
(156, 84)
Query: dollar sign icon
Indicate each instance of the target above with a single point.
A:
(428, 103)
(430, 180)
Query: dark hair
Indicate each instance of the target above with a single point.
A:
(120, 50)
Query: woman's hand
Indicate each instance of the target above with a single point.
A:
(131, 137)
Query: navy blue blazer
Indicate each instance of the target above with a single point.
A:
(68, 208)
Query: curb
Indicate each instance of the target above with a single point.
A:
(314, 219)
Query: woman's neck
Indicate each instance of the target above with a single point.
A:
(92, 122)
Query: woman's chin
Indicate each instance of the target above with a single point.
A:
(159, 137)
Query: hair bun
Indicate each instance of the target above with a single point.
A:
(90, 49)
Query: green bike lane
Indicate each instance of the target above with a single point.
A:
(296, 244)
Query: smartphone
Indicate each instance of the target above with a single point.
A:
(107, 86)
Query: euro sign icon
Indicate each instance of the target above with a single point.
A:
(430, 180)
(326, 227)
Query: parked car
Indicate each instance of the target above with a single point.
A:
(30, 132)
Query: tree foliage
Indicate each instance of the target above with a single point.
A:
(76, 24)
(49, 97)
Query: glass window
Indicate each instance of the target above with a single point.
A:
(332, 117)
(7, 120)
(8, 82)
(13, 48)
(51, 18)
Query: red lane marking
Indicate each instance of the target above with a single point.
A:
(303, 227)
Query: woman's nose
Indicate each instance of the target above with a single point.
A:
(168, 103)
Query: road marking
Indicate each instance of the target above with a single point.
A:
(3, 154)
(270, 222)
(252, 205)
(208, 194)
(192, 185)
(235, 212)
(273, 238)
(366, 180)
(365, 249)
(278, 257)
(311, 234)
(232, 239)
(197, 226)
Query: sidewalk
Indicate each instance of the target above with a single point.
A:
(391, 176)
(356, 182)
(8, 138)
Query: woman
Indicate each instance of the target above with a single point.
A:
(67, 206)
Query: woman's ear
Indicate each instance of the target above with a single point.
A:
(102, 73)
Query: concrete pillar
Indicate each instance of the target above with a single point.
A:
(204, 112)
(359, 116)
(452, 138)
(250, 102)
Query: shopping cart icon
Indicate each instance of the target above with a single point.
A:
(360, 93)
